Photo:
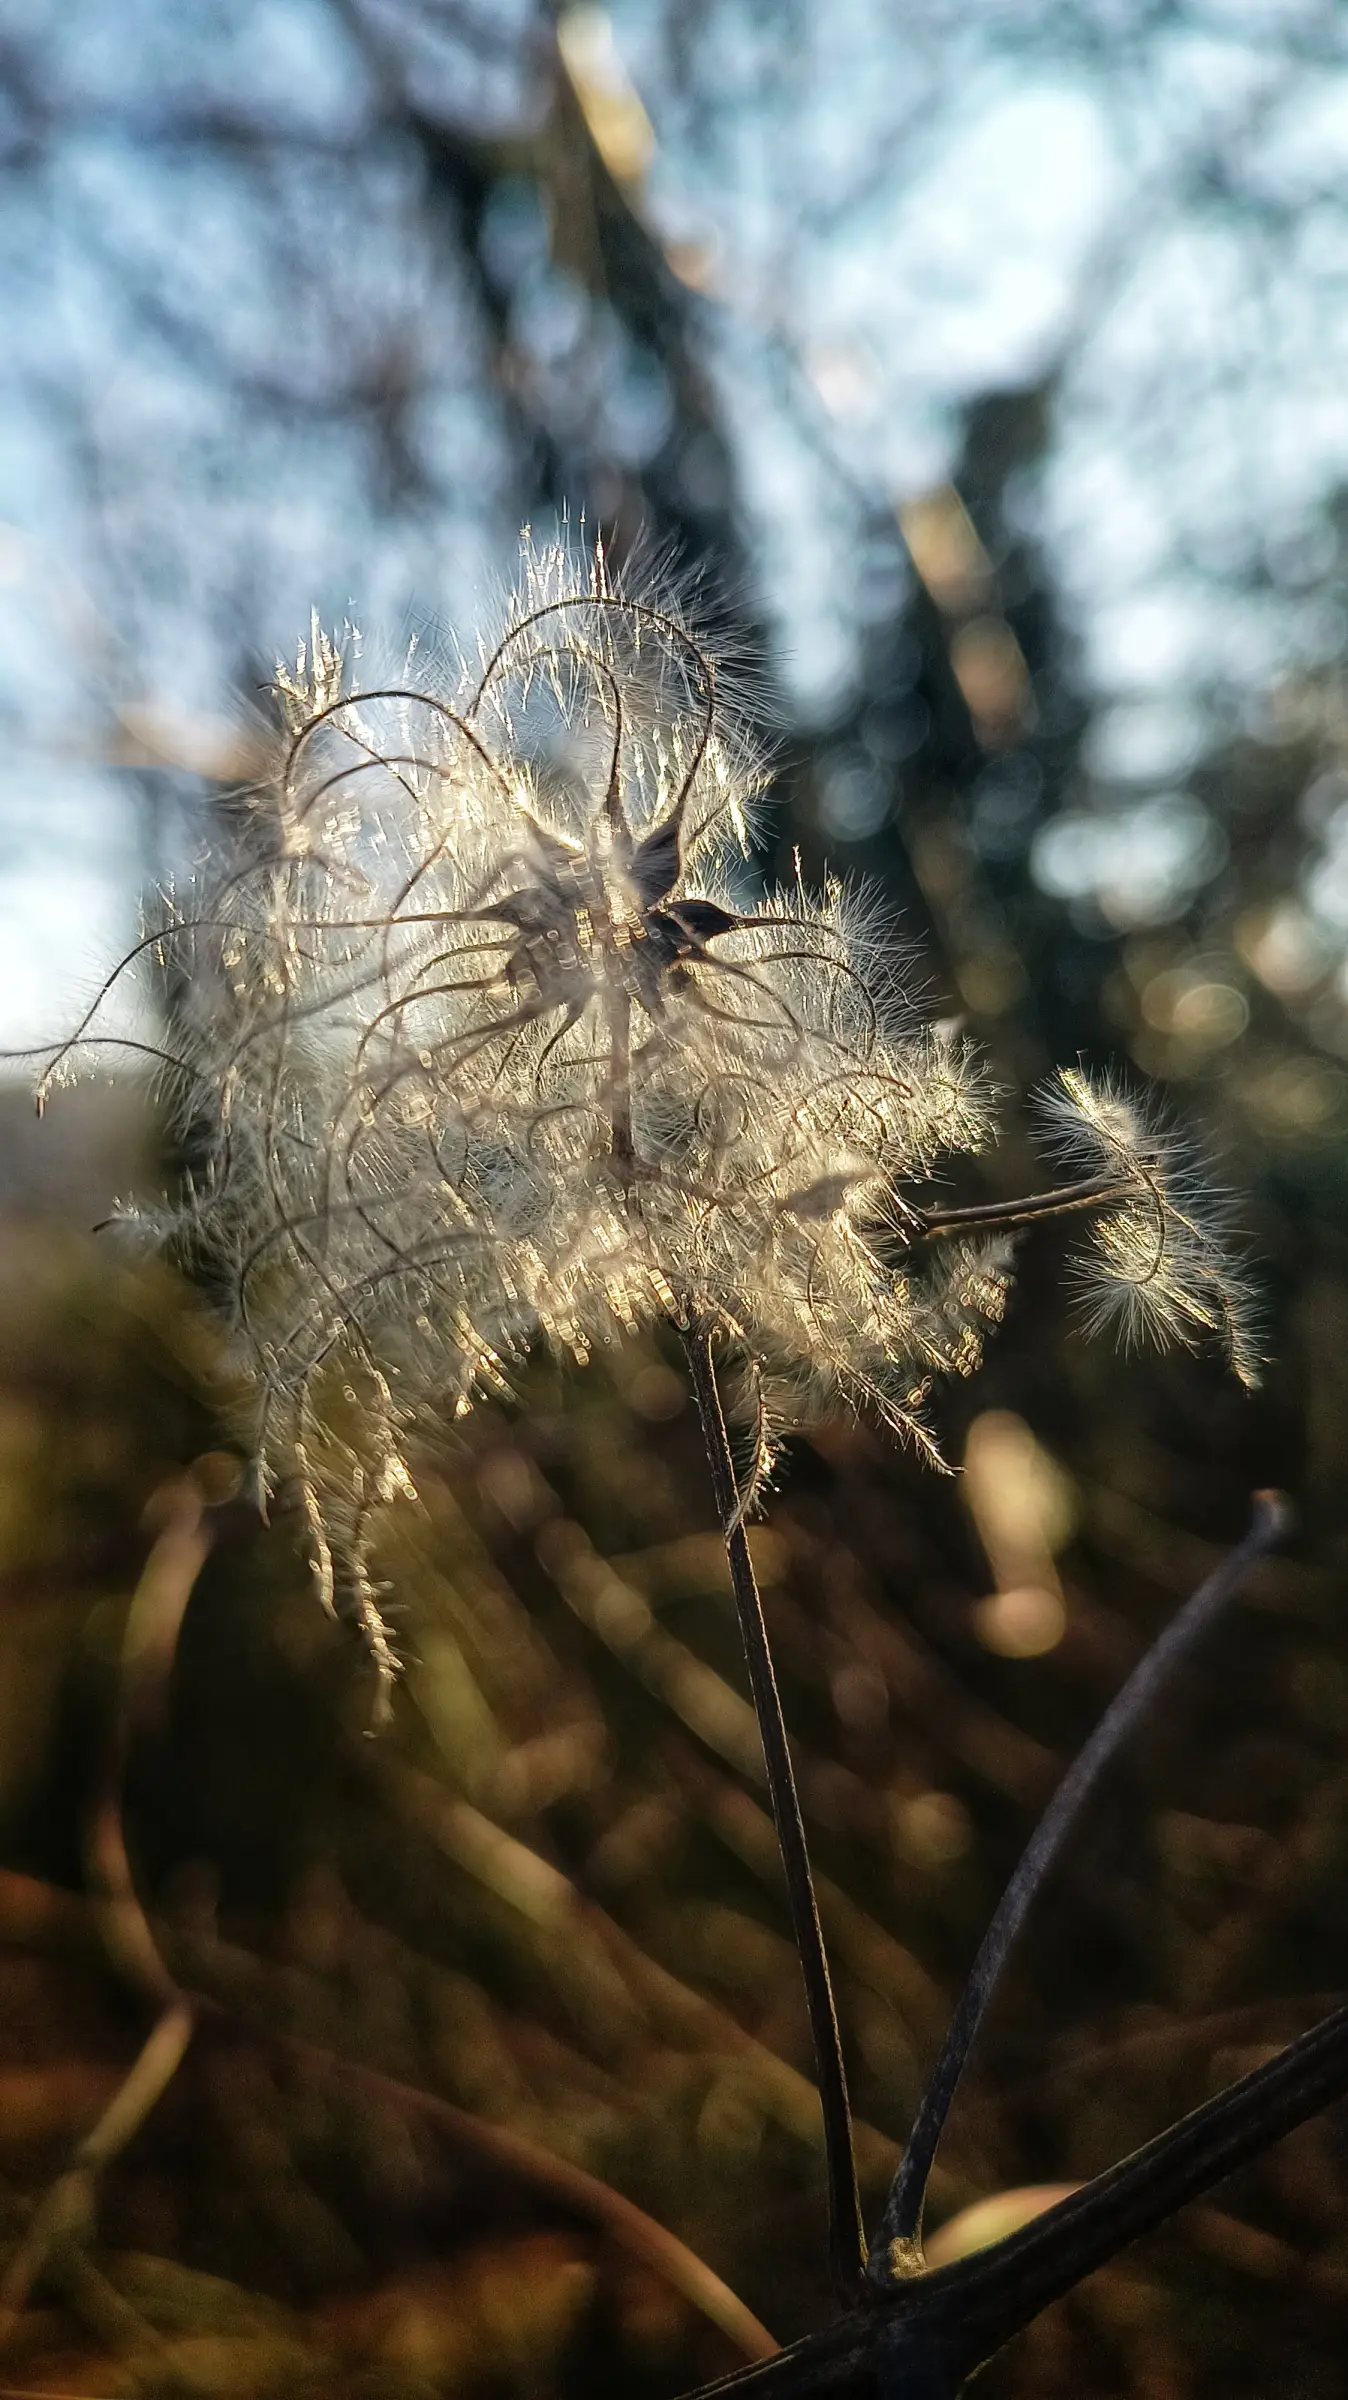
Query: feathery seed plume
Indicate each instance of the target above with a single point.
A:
(488, 1051)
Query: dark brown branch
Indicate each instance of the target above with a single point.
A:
(901, 2229)
(847, 2247)
(934, 2331)
(1005, 1216)
(838, 2364)
(991, 2296)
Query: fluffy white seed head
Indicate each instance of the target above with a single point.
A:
(488, 1052)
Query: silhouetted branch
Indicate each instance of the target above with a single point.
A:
(933, 2330)
(902, 2222)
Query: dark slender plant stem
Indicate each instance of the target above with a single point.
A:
(1003, 1216)
(847, 2246)
(896, 2247)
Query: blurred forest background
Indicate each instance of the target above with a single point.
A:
(984, 362)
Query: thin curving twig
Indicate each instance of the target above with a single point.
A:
(64, 2217)
(529, 2162)
(1004, 1216)
(897, 2248)
(496, 2147)
(148, 1649)
(847, 2242)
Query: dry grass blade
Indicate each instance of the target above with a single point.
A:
(64, 2218)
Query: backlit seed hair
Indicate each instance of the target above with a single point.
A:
(1158, 1266)
(488, 1052)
